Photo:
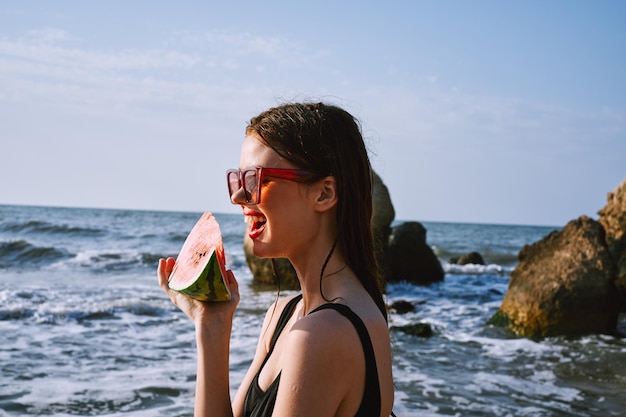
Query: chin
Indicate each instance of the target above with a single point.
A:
(260, 250)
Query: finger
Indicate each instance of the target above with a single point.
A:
(164, 271)
(233, 284)
(232, 281)
(161, 272)
(170, 263)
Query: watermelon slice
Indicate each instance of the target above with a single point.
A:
(200, 269)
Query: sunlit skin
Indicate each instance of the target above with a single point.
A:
(296, 221)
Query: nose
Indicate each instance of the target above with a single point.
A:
(239, 197)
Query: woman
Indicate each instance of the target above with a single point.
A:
(304, 185)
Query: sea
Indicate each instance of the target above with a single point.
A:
(86, 331)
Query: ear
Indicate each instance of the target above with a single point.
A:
(326, 194)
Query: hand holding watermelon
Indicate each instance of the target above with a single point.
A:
(199, 273)
(197, 310)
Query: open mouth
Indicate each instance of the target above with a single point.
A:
(257, 225)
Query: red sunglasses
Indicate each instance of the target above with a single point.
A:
(250, 178)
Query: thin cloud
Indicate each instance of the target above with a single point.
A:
(490, 122)
(245, 47)
(50, 35)
(204, 71)
(11, 12)
(196, 70)
(54, 55)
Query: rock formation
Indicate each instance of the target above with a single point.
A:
(573, 281)
(401, 307)
(417, 329)
(563, 285)
(410, 258)
(473, 258)
(613, 220)
(383, 216)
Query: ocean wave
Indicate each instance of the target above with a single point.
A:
(37, 226)
(21, 253)
(111, 260)
(96, 400)
(473, 269)
(52, 307)
(177, 237)
(505, 258)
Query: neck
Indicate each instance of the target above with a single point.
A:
(322, 277)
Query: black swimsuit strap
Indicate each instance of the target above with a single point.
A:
(371, 402)
(282, 322)
(260, 403)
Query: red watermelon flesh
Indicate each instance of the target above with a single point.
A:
(200, 269)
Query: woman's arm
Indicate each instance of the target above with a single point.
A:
(213, 324)
(212, 375)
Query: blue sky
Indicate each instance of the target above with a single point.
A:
(482, 111)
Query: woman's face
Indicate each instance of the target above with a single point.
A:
(280, 223)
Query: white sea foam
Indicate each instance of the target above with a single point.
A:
(537, 386)
(474, 269)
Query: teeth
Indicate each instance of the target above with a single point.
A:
(254, 219)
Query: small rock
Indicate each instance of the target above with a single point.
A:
(402, 307)
(417, 329)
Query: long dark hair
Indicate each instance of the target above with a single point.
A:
(326, 140)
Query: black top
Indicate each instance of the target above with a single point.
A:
(261, 404)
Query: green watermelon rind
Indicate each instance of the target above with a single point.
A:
(210, 285)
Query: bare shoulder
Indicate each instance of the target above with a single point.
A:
(328, 336)
(321, 360)
(333, 324)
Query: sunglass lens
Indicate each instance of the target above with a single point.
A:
(250, 184)
(233, 182)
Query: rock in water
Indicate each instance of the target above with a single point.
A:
(563, 285)
(473, 258)
(410, 257)
(613, 220)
